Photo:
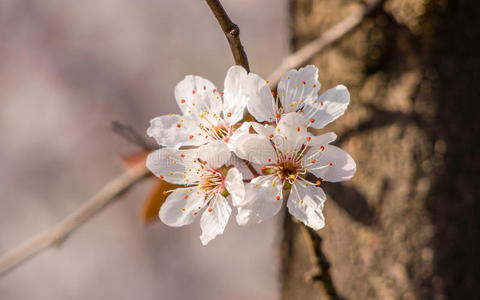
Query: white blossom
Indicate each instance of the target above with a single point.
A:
(207, 114)
(208, 181)
(282, 150)
(287, 153)
(297, 92)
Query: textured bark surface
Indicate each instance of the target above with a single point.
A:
(406, 226)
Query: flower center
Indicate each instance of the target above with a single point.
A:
(221, 131)
(292, 166)
(288, 169)
(211, 181)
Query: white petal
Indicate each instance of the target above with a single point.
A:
(322, 140)
(195, 95)
(263, 200)
(301, 86)
(260, 101)
(265, 130)
(175, 131)
(234, 101)
(245, 169)
(292, 124)
(181, 206)
(243, 129)
(235, 186)
(291, 133)
(329, 106)
(215, 153)
(173, 165)
(306, 204)
(255, 148)
(332, 164)
(213, 222)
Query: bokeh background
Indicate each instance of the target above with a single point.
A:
(67, 70)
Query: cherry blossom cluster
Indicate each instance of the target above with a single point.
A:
(218, 157)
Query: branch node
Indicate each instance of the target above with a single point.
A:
(234, 30)
(231, 31)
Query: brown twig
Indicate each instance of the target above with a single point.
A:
(231, 31)
(59, 232)
(320, 271)
(328, 38)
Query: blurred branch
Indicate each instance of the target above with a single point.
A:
(231, 31)
(59, 232)
(129, 134)
(328, 38)
(320, 271)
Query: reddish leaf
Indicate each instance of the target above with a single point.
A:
(153, 202)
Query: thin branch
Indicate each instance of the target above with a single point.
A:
(320, 271)
(59, 232)
(119, 185)
(231, 31)
(129, 134)
(328, 38)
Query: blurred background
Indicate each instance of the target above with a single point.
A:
(405, 227)
(67, 70)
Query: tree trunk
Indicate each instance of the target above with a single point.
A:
(407, 225)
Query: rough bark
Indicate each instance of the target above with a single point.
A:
(406, 226)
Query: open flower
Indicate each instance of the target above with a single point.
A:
(207, 114)
(208, 180)
(297, 92)
(287, 155)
